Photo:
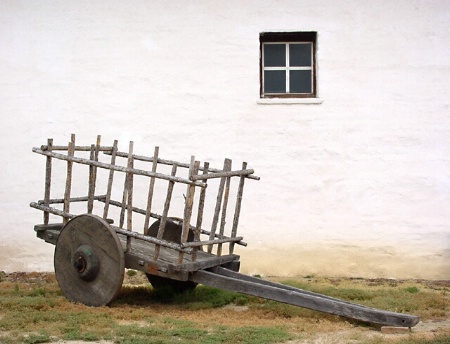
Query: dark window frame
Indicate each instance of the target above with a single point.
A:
(288, 37)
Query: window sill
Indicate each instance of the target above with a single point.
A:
(289, 101)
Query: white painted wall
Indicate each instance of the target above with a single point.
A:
(358, 185)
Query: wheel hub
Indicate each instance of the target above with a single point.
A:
(85, 263)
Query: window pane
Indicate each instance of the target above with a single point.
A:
(274, 81)
(300, 55)
(300, 81)
(274, 55)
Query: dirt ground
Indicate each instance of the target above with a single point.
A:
(332, 333)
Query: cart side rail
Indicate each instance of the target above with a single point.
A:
(194, 202)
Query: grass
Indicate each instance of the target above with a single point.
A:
(33, 310)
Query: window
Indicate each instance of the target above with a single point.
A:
(287, 65)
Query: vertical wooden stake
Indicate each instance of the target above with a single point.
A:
(150, 191)
(163, 220)
(212, 234)
(110, 180)
(130, 195)
(71, 153)
(93, 174)
(91, 191)
(48, 180)
(237, 210)
(201, 206)
(224, 210)
(193, 171)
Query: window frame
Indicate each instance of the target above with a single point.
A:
(288, 38)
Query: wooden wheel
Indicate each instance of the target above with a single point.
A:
(89, 261)
(172, 232)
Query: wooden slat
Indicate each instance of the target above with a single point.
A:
(77, 148)
(150, 191)
(91, 192)
(130, 195)
(218, 205)
(70, 152)
(117, 168)
(201, 206)
(162, 223)
(224, 209)
(237, 210)
(171, 162)
(125, 232)
(223, 174)
(48, 179)
(110, 181)
(189, 203)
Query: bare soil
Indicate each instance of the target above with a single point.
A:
(317, 331)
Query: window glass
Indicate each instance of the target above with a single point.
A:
(274, 81)
(274, 55)
(300, 81)
(300, 55)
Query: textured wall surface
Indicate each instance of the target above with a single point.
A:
(358, 185)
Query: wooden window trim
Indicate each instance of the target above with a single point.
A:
(288, 37)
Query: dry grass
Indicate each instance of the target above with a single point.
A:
(33, 310)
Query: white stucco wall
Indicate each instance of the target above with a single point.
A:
(358, 185)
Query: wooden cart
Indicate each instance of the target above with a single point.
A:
(101, 234)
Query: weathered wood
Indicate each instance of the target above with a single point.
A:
(93, 175)
(223, 174)
(48, 179)
(110, 181)
(129, 192)
(201, 206)
(91, 189)
(162, 223)
(224, 209)
(212, 242)
(116, 167)
(171, 162)
(89, 261)
(73, 199)
(70, 152)
(297, 297)
(125, 232)
(150, 190)
(218, 205)
(189, 203)
(237, 210)
(77, 148)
